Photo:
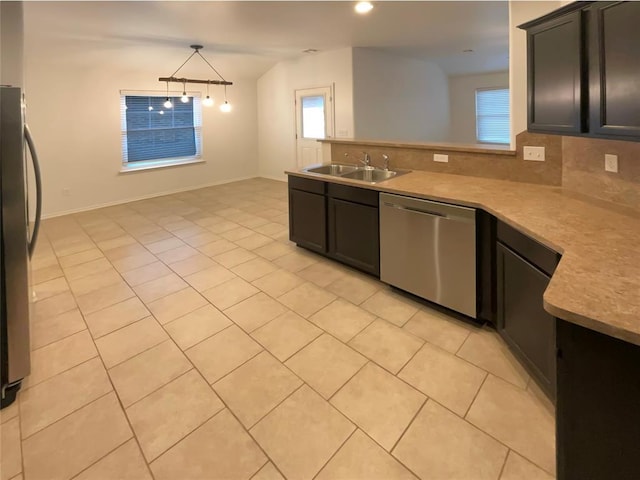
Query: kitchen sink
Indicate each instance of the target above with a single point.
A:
(372, 176)
(354, 172)
(333, 169)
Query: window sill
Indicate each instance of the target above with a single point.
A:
(155, 164)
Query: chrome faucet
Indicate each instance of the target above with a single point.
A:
(385, 159)
(366, 160)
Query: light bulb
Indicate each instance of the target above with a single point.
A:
(363, 7)
(184, 98)
(150, 108)
(161, 112)
(225, 107)
(208, 101)
(167, 103)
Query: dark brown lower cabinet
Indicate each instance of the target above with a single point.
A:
(308, 214)
(598, 406)
(354, 235)
(338, 221)
(523, 271)
(353, 227)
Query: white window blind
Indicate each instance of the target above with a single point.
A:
(151, 132)
(492, 115)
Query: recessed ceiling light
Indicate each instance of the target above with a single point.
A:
(468, 50)
(363, 7)
(310, 50)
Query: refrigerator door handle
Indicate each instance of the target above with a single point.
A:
(36, 171)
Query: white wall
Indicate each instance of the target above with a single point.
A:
(462, 101)
(276, 110)
(398, 98)
(73, 108)
(11, 44)
(520, 12)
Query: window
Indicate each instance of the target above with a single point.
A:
(492, 115)
(154, 135)
(313, 117)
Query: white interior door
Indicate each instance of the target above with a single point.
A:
(314, 120)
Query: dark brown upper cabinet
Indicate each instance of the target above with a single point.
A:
(614, 69)
(554, 66)
(583, 66)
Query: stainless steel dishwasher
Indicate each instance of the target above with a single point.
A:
(429, 249)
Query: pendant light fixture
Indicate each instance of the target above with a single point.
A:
(226, 106)
(167, 101)
(184, 98)
(208, 101)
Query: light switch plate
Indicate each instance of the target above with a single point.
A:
(535, 154)
(611, 163)
(437, 157)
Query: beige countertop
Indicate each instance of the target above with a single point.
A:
(596, 284)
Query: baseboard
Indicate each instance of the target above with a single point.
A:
(146, 197)
(271, 177)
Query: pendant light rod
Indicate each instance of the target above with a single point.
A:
(187, 60)
(193, 80)
(175, 79)
(197, 48)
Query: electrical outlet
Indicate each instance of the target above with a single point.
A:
(343, 133)
(534, 154)
(440, 158)
(611, 163)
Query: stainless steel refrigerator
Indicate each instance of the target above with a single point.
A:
(17, 241)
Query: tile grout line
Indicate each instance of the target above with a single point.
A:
(207, 419)
(486, 376)
(345, 383)
(504, 463)
(324, 465)
(248, 431)
(390, 452)
(28, 387)
(426, 399)
(71, 412)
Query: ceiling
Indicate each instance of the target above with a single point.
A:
(245, 39)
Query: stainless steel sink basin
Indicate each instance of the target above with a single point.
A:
(333, 169)
(371, 176)
(375, 175)
(354, 172)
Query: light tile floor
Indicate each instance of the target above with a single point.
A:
(184, 337)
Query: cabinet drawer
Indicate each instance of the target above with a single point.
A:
(536, 253)
(353, 194)
(307, 185)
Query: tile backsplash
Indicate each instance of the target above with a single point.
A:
(583, 169)
(503, 165)
(575, 163)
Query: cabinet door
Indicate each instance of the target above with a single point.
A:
(308, 220)
(614, 60)
(554, 55)
(522, 320)
(354, 236)
(598, 419)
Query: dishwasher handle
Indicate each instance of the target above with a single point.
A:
(415, 210)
